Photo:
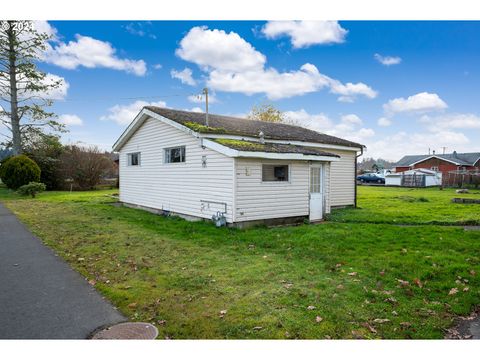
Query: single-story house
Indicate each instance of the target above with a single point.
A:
(414, 178)
(444, 163)
(173, 161)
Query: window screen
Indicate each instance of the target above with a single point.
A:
(175, 155)
(274, 172)
(133, 159)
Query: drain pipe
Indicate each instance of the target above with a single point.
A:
(355, 176)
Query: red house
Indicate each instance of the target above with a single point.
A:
(443, 163)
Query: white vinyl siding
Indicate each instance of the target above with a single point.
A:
(256, 199)
(342, 178)
(176, 187)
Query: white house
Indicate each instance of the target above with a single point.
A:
(249, 171)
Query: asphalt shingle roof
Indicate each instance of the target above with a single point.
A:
(244, 127)
(273, 148)
(459, 158)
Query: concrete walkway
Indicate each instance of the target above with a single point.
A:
(41, 297)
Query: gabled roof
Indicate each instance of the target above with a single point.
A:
(219, 124)
(462, 159)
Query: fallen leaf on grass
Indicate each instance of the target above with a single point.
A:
(391, 300)
(453, 291)
(369, 327)
(311, 307)
(352, 274)
(472, 272)
(465, 289)
(92, 282)
(318, 319)
(403, 282)
(161, 322)
(417, 282)
(381, 321)
(132, 305)
(223, 313)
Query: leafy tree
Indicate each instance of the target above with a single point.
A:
(19, 170)
(266, 112)
(24, 88)
(46, 151)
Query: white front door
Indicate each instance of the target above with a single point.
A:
(316, 192)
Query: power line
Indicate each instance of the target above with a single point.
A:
(126, 98)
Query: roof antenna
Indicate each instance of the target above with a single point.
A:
(205, 92)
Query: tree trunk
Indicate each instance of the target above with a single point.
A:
(14, 118)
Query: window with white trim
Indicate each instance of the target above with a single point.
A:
(133, 159)
(434, 168)
(175, 155)
(274, 172)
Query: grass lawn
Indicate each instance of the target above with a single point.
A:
(390, 205)
(339, 279)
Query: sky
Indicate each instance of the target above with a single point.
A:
(397, 87)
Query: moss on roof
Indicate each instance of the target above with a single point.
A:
(204, 129)
(242, 145)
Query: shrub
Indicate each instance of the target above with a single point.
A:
(19, 170)
(32, 189)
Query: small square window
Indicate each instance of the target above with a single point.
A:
(175, 155)
(274, 172)
(133, 159)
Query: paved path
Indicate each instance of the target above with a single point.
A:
(41, 297)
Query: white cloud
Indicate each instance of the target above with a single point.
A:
(140, 29)
(185, 76)
(318, 122)
(124, 114)
(157, 66)
(420, 103)
(346, 128)
(219, 50)
(384, 122)
(352, 119)
(233, 65)
(395, 146)
(387, 60)
(91, 53)
(451, 121)
(196, 109)
(58, 93)
(70, 120)
(306, 33)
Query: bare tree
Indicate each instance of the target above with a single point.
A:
(24, 88)
(85, 165)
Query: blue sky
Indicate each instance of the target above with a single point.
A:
(397, 87)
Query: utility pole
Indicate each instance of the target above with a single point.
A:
(205, 92)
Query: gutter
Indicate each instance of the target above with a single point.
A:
(355, 175)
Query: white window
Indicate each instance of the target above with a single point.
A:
(275, 172)
(175, 155)
(133, 159)
(434, 168)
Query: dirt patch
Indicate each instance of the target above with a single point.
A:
(466, 327)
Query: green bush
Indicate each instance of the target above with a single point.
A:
(31, 189)
(19, 170)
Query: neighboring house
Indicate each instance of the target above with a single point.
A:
(414, 178)
(444, 163)
(249, 171)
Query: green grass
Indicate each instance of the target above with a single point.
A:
(389, 205)
(155, 268)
